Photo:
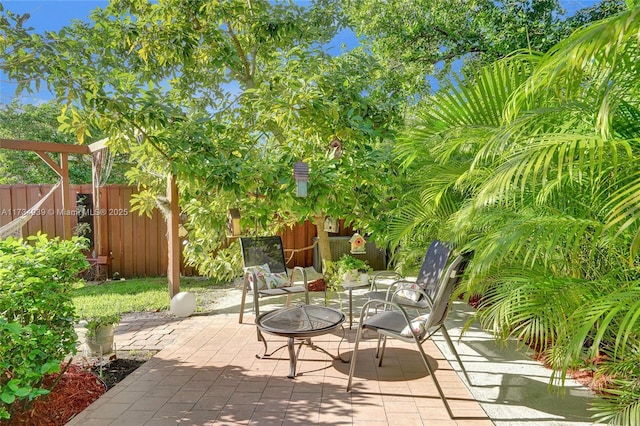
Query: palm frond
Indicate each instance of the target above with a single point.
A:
(466, 113)
(547, 158)
(620, 405)
(549, 239)
(614, 314)
(592, 61)
(530, 305)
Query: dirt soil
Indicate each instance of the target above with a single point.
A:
(116, 370)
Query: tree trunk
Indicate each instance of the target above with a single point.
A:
(323, 240)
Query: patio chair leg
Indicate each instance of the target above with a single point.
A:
(352, 367)
(432, 373)
(384, 346)
(378, 346)
(445, 333)
(256, 303)
(242, 301)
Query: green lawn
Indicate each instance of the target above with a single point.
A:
(134, 295)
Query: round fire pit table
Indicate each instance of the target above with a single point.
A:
(299, 322)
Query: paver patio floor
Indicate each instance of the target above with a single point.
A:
(210, 375)
(207, 372)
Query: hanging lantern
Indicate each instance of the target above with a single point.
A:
(358, 244)
(301, 176)
(233, 223)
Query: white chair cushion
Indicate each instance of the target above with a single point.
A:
(261, 272)
(417, 327)
(277, 280)
(408, 293)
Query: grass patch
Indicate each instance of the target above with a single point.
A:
(134, 295)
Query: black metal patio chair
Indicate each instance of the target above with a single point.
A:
(265, 272)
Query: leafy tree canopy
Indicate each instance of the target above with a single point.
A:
(227, 96)
(424, 38)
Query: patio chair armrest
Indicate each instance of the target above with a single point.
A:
(421, 292)
(392, 289)
(304, 281)
(383, 274)
(301, 271)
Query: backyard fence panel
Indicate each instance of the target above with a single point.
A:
(136, 245)
(139, 226)
(164, 247)
(33, 195)
(103, 232)
(5, 205)
(57, 219)
(19, 202)
(48, 223)
(304, 235)
(127, 232)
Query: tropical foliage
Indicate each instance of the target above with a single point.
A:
(420, 39)
(532, 163)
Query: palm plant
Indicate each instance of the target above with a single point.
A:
(532, 163)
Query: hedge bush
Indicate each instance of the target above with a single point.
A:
(36, 314)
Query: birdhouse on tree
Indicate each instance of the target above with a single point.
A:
(357, 244)
(301, 176)
(331, 224)
(233, 223)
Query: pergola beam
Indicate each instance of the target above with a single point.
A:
(50, 162)
(62, 170)
(66, 196)
(24, 145)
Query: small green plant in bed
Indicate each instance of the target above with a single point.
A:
(135, 295)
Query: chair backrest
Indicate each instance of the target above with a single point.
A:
(442, 298)
(435, 261)
(260, 250)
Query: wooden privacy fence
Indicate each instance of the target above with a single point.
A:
(136, 245)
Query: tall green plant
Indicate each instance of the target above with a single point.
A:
(546, 194)
(36, 314)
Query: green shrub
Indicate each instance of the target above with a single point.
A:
(36, 314)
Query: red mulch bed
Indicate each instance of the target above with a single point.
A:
(75, 391)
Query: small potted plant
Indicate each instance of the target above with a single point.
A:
(351, 268)
(100, 332)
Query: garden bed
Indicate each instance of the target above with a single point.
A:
(84, 381)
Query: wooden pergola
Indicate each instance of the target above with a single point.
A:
(61, 167)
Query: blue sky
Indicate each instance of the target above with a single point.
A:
(54, 14)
